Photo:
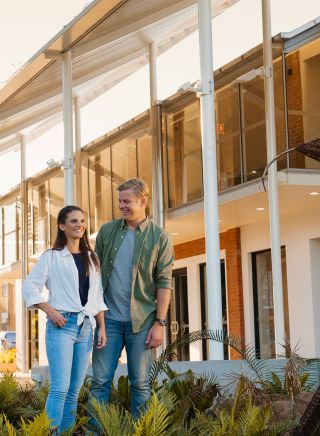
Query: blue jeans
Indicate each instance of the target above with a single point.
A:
(68, 351)
(105, 362)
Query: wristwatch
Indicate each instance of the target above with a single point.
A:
(162, 322)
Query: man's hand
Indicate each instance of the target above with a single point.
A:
(102, 338)
(155, 336)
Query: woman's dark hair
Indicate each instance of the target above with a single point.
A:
(61, 240)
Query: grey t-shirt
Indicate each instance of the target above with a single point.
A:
(118, 294)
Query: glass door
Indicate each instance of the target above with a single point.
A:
(178, 319)
(263, 302)
(204, 308)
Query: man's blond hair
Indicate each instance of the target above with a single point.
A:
(139, 187)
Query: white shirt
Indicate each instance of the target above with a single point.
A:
(56, 270)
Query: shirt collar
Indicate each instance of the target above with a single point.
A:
(142, 226)
(65, 251)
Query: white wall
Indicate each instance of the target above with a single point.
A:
(297, 231)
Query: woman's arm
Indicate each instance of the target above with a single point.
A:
(102, 336)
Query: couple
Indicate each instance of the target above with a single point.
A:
(124, 288)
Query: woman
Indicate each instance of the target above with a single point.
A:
(71, 273)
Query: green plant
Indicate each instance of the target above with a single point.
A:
(39, 426)
(248, 352)
(192, 393)
(112, 420)
(157, 419)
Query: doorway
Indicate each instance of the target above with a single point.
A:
(178, 319)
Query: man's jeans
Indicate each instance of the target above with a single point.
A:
(68, 352)
(105, 362)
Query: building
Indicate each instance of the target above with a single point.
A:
(246, 274)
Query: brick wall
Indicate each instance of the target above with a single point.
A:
(230, 242)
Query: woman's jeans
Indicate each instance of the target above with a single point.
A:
(68, 351)
(105, 362)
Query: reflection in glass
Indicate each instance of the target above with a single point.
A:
(39, 199)
(184, 159)
(303, 91)
(228, 137)
(144, 145)
(263, 302)
(253, 123)
(56, 193)
(100, 199)
(124, 166)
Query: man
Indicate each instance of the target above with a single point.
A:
(136, 266)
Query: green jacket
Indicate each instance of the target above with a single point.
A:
(151, 266)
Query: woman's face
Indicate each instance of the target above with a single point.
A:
(74, 226)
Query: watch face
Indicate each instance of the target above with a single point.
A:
(162, 322)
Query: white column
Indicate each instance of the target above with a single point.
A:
(157, 185)
(77, 121)
(210, 180)
(68, 128)
(272, 178)
(22, 357)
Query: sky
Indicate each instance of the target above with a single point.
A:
(26, 26)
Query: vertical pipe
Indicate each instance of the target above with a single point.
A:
(155, 123)
(24, 254)
(272, 178)
(68, 128)
(78, 174)
(210, 179)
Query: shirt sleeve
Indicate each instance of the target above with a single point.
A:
(99, 245)
(163, 270)
(35, 282)
(99, 303)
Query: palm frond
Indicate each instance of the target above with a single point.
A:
(157, 419)
(40, 426)
(248, 352)
(111, 419)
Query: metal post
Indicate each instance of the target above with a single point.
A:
(24, 245)
(272, 178)
(210, 178)
(68, 128)
(157, 184)
(77, 120)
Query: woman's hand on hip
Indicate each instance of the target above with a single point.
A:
(102, 338)
(56, 318)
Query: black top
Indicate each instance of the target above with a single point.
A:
(83, 278)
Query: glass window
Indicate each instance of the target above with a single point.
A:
(10, 233)
(253, 123)
(144, 144)
(56, 195)
(100, 195)
(40, 194)
(33, 339)
(228, 137)
(184, 158)
(1, 236)
(263, 302)
(303, 100)
(204, 306)
(124, 166)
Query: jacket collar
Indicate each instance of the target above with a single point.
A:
(65, 251)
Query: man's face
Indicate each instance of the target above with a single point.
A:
(131, 207)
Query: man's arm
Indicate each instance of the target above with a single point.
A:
(98, 248)
(156, 332)
(163, 282)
